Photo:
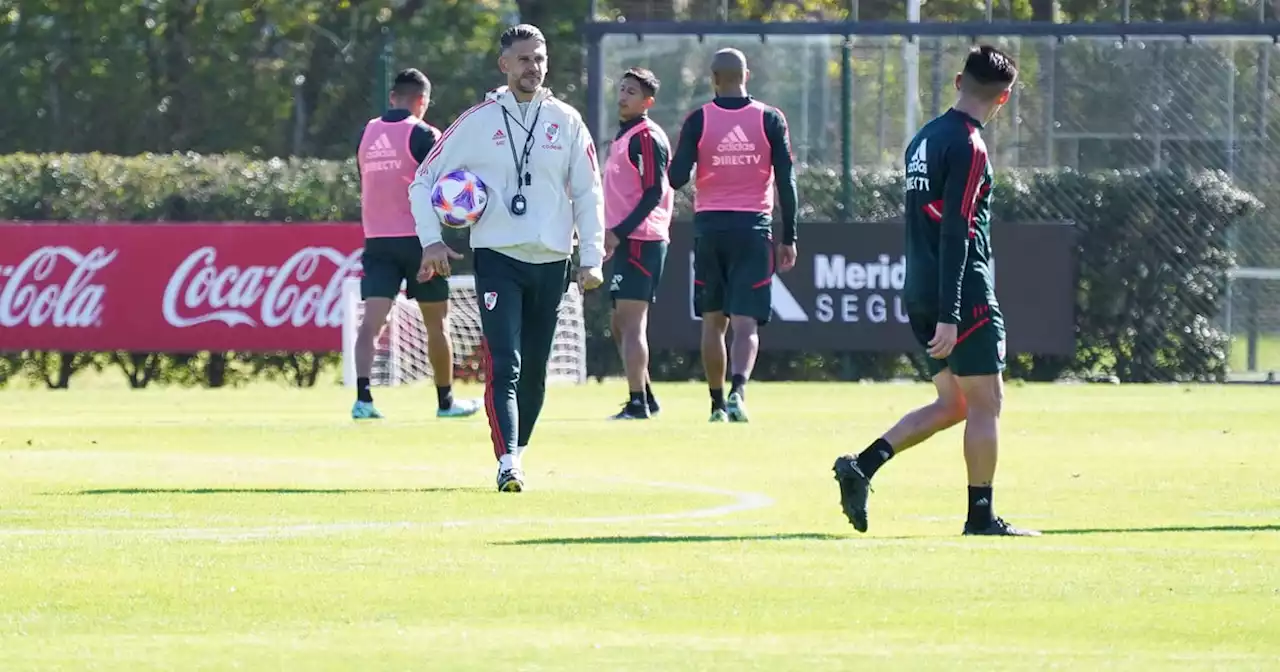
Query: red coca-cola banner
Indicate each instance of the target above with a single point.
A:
(175, 287)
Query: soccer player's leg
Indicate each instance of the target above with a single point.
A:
(637, 269)
(378, 290)
(854, 472)
(709, 282)
(433, 300)
(750, 305)
(616, 330)
(655, 259)
(978, 362)
(540, 313)
(500, 293)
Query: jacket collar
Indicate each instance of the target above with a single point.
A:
(507, 99)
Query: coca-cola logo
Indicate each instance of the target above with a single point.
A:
(293, 293)
(31, 297)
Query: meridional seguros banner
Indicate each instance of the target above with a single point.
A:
(845, 292)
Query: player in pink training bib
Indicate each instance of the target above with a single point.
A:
(391, 148)
(742, 153)
(637, 211)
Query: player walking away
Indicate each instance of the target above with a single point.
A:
(391, 148)
(538, 161)
(742, 150)
(950, 295)
(637, 212)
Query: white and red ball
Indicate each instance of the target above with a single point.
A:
(459, 198)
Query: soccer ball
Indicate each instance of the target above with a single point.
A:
(459, 198)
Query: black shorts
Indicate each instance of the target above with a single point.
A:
(733, 273)
(980, 341)
(389, 261)
(637, 269)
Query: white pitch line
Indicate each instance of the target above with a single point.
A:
(742, 501)
(1045, 545)
(1273, 513)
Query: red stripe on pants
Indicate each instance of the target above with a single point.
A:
(490, 409)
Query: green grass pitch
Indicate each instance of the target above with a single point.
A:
(261, 529)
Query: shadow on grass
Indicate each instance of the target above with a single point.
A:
(670, 539)
(265, 491)
(1206, 528)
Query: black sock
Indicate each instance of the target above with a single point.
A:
(637, 399)
(444, 397)
(717, 398)
(979, 507)
(648, 394)
(362, 390)
(874, 457)
(738, 383)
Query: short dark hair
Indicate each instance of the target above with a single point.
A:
(520, 33)
(411, 83)
(645, 78)
(988, 72)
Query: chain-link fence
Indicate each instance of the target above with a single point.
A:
(1092, 105)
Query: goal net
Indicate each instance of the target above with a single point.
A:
(400, 350)
(1252, 320)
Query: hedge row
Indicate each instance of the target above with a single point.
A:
(1153, 257)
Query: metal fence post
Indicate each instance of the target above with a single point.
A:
(382, 72)
(595, 80)
(846, 126)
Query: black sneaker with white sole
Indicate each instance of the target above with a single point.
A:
(510, 480)
(854, 490)
(998, 528)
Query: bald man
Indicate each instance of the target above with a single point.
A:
(742, 152)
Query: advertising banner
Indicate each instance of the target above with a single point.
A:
(174, 287)
(845, 292)
(265, 287)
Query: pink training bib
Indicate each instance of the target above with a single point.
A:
(735, 170)
(387, 167)
(624, 184)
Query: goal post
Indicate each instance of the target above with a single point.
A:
(1252, 322)
(400, 350)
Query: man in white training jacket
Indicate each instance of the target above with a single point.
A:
(538, 162)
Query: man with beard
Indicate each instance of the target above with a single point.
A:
(538, 162)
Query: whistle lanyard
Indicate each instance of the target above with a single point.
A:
(523, 178)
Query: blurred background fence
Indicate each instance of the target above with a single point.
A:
(1202, 100)
(1195, 92)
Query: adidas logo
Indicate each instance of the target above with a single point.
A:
(499, 136)
(380, 149)
(919, 162)
(736, 140)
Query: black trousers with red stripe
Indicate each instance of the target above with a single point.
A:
(519, 310)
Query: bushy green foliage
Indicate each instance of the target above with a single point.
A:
(1153, 255)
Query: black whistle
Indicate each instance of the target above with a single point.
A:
(528, 179)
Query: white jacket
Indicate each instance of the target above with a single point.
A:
(564, 197)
